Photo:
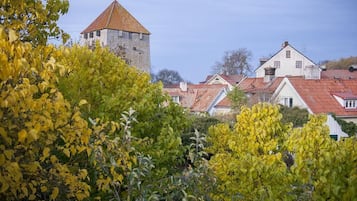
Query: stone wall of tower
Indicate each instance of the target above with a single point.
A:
(135, 45)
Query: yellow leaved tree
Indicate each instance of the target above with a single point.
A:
(42, 137)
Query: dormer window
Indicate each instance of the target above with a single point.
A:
(350, 104)
(346, 100)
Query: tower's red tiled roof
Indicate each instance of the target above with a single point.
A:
(116, 17)
(318, 94)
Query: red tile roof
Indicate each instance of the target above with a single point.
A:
(225, 103)
(338, 74)
(116, 17)
(318, 94)
(253, 85)
(198, 97)
(231, 79)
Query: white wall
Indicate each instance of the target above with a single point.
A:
(287, 65)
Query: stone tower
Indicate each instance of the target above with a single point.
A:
(117, 29)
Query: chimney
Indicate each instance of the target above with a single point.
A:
(269, 74)
(263, 60)
(286, 43)
(183, 86)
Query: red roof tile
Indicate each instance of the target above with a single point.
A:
(253, 85)
(231, 79)
(198, 97)
(116, 17)
(318, 94)
(338, 74)
(225, 102)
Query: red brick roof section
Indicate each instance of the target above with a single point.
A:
(116, 17)
(198, 97)
(318, 94)
(253, 85)
(338, 74)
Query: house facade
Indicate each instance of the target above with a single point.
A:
(197, 98)
(288, 61)
(324, 96)
(117, 29)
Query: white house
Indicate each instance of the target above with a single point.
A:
(324, 96)
(289, 62)
(197, 98)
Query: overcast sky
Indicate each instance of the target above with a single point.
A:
(189, 36)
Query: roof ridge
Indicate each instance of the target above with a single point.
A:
(111, 13)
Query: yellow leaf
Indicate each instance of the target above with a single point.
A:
(43, 188)
(66, 152)
(45, 153)
(12, 35)
(22, 135)
(54, 193)
(82, 102)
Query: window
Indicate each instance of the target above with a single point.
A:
(120, 33)
(91, 35)
(350, 104)
(130, 35)
(335, 137)
(288, 54)
(288, 102)
(176, 99)
(298, 64)
(276, 64)
(141, 36)
(85, 35)
(97, 33)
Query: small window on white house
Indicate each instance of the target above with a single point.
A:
(141, 36)
(91, 35)
(288, 54)
(176, 99)
(85, 35)
(298, 64)
(97, 33)
(120, 33)
(276, 64)
(350, 104)
(288, 101)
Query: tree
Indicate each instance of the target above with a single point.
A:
(34, 20)
(237, 98)
(110, 87)
(43, 139)
(264, 159)
(234, 62)
(168, 77)
(294, 115)
(247, 160)
(343, 63)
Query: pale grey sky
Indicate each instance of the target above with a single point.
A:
(189, 36)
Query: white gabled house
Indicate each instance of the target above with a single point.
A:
(324, 96)
(288, 61)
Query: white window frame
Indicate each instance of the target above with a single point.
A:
(350, 104)
(288, 101)
(298, 64)
(276, 64)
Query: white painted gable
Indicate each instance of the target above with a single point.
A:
(287, 61)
